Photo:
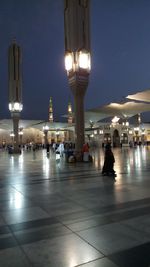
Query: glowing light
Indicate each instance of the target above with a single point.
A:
(69, 109)
(136, 129)
(115, 119)
(84, 60)
(12, 134)
(69, 61)
(45, 128)
(15, 106)
(20, 133)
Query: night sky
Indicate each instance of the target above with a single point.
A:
(120, 47)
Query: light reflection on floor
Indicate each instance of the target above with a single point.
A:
(127, 160)
(79, 212)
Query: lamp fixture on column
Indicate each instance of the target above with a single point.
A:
(77, 61)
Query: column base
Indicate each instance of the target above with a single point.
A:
(78, 156)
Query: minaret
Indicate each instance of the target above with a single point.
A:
(50, 110)
(139, 118)
(15, 89)
(70, 115)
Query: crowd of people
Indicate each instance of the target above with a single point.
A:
(68, 149)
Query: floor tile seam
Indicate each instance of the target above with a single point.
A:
(135, 229)
(75, 233)
(133, 204)
(111, 221)
(105, 213)
(31, 183)
(78, 203)
(89, 217)
(91, 261)
(78, 178)
(26, 197)
(23, 209)
(72, 171)
(59, 221)
(91, 227)
(21, 249)
(123, 210)
(33, 222)
(132, 215)
(18, 191)
(34, 240)
(79, 170)
(19, 243)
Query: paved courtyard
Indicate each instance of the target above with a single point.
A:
(54, 214)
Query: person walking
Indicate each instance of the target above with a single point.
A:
(109, 160)
(85, 151)
(60, 149)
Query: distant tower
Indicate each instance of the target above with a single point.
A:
(15, 89)
(50, 110)
(70, 115)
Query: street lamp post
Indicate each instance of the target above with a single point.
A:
(77, 61)
(12, 137)
(15, 90)
(20, 134)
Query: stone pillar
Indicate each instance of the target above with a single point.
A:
(45, 138)
(15, 118)
(79, 90)
(15, 89)
(77, 61)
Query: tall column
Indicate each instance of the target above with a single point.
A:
(45, 138)
(20, 135)
(70, 115)
(15, 128)
(45, 130)
(77, 61)
(79, 115)
(15, 89)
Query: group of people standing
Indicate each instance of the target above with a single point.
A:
(109, 160)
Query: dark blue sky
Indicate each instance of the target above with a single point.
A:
(120, 45)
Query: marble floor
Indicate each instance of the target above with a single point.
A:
(58, 214)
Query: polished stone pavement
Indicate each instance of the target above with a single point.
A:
(58, 214)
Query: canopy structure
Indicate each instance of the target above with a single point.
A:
(7, 124)
(95, 115)
(122, 110)
(52, 125)
(141, 96)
